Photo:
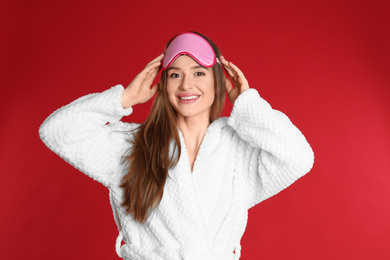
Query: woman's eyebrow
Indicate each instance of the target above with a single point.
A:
(172, 68)
(199, 67)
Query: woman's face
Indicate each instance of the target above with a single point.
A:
(187, 77)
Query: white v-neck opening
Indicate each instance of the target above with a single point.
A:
(200, 147)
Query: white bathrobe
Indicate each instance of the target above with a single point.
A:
(243, 159)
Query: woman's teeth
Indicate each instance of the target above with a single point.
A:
(191, 97)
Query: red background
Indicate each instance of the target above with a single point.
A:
(324, 64)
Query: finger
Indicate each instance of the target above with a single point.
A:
(230, 72)
(224, 62)
(237, 70)
(158, 58)
(228, 85)
(235, 73)
(240, 75)
(151, 75)
(152, 67)
(228, 67)
(143, 75)
(155, 88)
(152, 64)
(231, 66)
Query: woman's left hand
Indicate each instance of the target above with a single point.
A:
(239, 81)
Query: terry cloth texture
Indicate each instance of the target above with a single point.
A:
(243, 159)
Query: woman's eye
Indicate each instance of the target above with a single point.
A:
(199, 74)
(174, 75)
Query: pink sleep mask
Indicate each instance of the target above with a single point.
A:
(193, 45)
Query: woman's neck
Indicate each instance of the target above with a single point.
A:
(193, 129)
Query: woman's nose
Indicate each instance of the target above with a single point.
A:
(186, 83)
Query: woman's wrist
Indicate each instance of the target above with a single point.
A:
(126, 101)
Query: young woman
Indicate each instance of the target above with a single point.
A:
(181, 183)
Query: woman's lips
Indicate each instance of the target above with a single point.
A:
(188, 101)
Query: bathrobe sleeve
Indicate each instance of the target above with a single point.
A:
(271, 153)
(88, 134)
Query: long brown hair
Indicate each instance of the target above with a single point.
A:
(148, 156)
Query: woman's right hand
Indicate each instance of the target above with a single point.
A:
(139, 90)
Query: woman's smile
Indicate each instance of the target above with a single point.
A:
(188, 100)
